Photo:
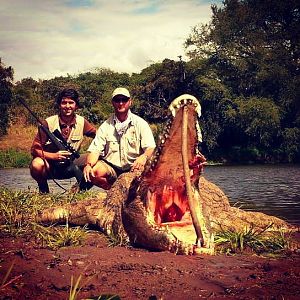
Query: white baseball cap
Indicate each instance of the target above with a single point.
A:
(121, 91)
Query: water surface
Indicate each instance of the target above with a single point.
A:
(272, 189)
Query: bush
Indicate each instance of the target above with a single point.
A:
(244, 154)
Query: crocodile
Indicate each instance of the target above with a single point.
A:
(170, 206)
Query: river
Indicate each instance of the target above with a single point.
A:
(272, 189)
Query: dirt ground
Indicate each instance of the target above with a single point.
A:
(130, 273)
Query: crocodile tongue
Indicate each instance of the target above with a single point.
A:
(170, 208)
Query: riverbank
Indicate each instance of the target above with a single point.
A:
(40, 273)
(15, 146)
(19, 137)
(31, 270)
(50, 262)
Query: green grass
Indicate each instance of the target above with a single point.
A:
(13, 158)
(14, 206)
(55, 237)
(75, 288)
(17, 211)
(258, 240)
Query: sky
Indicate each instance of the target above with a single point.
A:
(43, 39)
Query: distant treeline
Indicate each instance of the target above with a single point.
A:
(243, 67)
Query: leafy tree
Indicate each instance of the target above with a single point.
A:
(6, 77)
(213, 96)
(96, 88)
(252, 46)
(27, 89)
(156, 86)
(253, 43)
(290, 147)
(258, 119)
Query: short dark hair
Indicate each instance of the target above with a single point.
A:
(67, 93)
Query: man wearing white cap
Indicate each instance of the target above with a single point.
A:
(123, 143)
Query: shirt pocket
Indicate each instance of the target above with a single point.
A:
(132, 139)
(132, 143)
(112, 146)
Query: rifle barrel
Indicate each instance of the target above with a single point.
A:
(31, 112)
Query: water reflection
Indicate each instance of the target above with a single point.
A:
(270, 189)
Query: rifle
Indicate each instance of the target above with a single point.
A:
(55, 137)
(61, 144)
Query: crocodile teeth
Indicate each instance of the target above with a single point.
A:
(183, 100)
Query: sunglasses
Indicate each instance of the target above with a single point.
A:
(119, 100)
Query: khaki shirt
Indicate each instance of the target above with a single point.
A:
(122, 150)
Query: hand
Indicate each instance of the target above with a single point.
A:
(88, 172)
(139, 163)
(62, 155)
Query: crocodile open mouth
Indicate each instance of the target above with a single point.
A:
(167, 205)
(169, 209)
(164, 209)
(166, 193)
(165, 186)
(170, 205)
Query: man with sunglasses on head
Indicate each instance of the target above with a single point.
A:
(123, 143)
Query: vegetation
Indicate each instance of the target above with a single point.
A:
(251, 98)
(13, 158)
(266, 240)
(17, 211)
(18, 208)
(6, 77)
(75, 288)
(54, 237)
(243, 67)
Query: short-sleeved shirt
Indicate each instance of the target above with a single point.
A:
(121, 150)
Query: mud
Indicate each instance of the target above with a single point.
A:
(130, 273)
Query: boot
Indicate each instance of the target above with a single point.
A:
(43, 188)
